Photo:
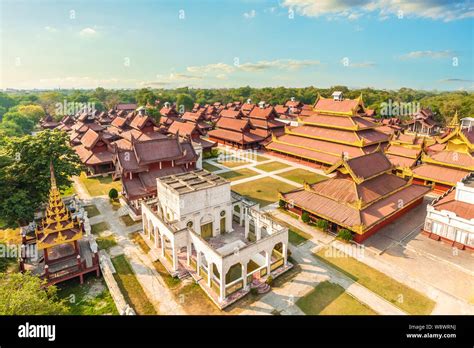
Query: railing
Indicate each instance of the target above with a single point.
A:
(234, 286)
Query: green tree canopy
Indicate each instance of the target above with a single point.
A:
(22, 294)
(184, 102)
(25, 176)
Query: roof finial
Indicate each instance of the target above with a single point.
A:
(53, 178)
(454, 121)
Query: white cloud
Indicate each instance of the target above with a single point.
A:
(218, 67)
(427, 54)
(251, 14)
(358, 65)
(285, 64)
(50, 29)
(88, 32)
(221, 76)
(446, 10)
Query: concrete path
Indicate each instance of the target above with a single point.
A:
(446, 303)
(153, 285)
(313, 271)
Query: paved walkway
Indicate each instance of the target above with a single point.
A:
(153, 285)
(446, 303)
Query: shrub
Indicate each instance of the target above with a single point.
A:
(322, 224)
(344, 234)
(113, 194)
(211, 154)
(254, 291)
(281, 203)
(305, 217)
(269, 280)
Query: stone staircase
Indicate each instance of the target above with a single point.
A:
(261, 287)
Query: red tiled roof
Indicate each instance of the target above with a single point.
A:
(89, 139)
(400, 161)
(339, 121)
(235, 137)
(184, 128)
(439, 173)
(126, 106)
(233, 124)
(370, 165)
(461, 209)
(370, 136)
(231, 113)
(262, 113)
(331, 105)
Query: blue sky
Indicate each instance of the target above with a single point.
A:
(222, 43)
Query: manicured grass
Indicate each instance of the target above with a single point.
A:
(92, 211)
(272, 166)
(331, 299)
(100, 227)
(91, 298)
(209, 167)
(400, 295)
(128, 221)
(234, 175)
(233, 163)
(260, 158)
(100, 186)
(263, 191)
(106, 242)
(170, 281)
(131, 288)
(302, 175)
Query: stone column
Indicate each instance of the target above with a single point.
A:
(198, 263)
(162, 238)
(269, 261)
(188, 254)
(285, 253)
(258, 228)
(247, 227)
(175, 256)
(241, 206)
(209, 274)
(222, 285)
(155, 231)
(244, 273)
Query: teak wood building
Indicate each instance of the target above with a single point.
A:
(363, 197)
(337, 128)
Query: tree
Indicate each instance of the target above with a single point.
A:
(113, 194)
(23, 294)
(305, 217)
(25, 175)
(322, 224)
(184, 102)
(24, 122)
(145, 96)
(32, 112)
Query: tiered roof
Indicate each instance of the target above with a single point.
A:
(336, 127)
(58, 226)
(450, 159)
(405, 150)
(362, 194)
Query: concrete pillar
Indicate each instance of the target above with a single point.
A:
(269, 261)
(244, 273)
(247, 226)
(222, 285)
(175, 258)
(209, 273)
(155, 231)
(258, 228)
(162, 239)
(198, 263)
(241, 206)
(188, 254)
(285, 253)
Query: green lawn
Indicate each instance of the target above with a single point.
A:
(100, 227)
(91, 211)
(209, 167)
(234, 175)
(100, 186)
(91, 298)
(331, 299)
(407, 299)
(106, 242)
(260, 158)
(302, 175)
(263, 191)
(272, 166)
(233, 163)
(131, 288)
(128, 221)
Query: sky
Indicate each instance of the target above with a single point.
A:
(388, 44)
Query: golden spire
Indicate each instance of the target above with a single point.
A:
(454, 123)
(53, 178)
